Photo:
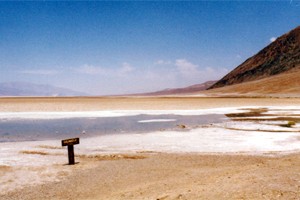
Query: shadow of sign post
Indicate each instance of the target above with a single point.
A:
(70, 143)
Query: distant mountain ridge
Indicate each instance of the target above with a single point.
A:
(184, 90)
(31, 89)
(281, 56)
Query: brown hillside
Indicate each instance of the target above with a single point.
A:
(280, 56)
(281, 85)
(185, 90)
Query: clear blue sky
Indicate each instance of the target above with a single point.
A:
(127, 47)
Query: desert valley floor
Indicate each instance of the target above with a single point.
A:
(193, 148)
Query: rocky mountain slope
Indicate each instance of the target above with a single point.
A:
(281, 56)
(281, 85)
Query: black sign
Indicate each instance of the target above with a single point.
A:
(71, 141)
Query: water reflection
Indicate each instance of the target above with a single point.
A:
(42, 129)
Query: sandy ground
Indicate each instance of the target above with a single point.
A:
(152, 175)
(135, 103)
(174, 176)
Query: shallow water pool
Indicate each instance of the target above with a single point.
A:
(12, 130)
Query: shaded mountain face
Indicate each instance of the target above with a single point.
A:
(280, 56)
(30, 89)
(185, 90)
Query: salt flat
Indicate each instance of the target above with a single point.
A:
(255, 146)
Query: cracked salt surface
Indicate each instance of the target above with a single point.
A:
(202, 140)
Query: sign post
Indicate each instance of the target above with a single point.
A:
(70, 143)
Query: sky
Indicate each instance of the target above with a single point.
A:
(120, 47)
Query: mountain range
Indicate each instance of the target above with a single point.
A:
(273, 70)
(30, 89)
(181, 91)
